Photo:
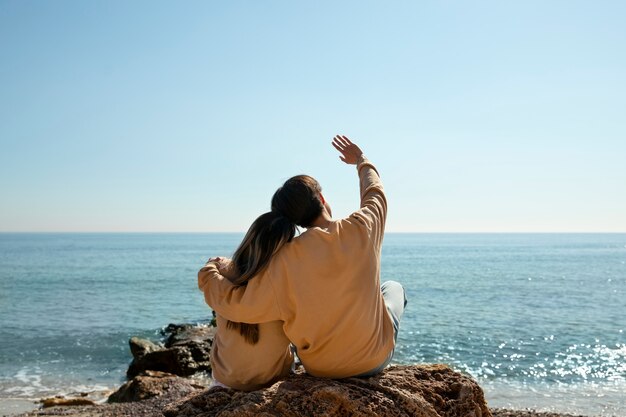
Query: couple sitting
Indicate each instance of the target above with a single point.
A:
(319, 291)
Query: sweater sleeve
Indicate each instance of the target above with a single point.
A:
(252, 303)
(373, 212)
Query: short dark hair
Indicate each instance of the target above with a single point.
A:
(299, 200)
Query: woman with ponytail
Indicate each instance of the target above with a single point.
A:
(324, 285)
(249, 356)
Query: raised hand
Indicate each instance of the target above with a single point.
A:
(350, 153)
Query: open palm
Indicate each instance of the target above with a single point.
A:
(350, 153)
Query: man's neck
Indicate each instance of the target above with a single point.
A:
(323, 220)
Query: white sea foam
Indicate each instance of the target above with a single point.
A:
(26, 383)
(30, 383)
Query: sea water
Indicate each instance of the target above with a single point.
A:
(538, 319)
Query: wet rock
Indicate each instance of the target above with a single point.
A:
(140, 347)
(182, 334)
(187, 350)
(419, 390)
(152, 384)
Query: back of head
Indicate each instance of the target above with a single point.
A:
(299, 200)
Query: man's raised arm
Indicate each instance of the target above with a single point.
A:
(373, 202)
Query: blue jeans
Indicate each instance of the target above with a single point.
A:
(395, 301)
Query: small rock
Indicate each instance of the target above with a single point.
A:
(61, 401)
(152, 384)
(140, 347)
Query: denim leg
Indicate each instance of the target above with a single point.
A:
(395, 301)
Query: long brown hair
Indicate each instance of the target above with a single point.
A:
(296, 203)
(267, 234)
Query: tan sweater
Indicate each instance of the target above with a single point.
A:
(325, 286)
(247, 367)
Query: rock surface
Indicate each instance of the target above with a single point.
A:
(420, 390)
(152, 384)
(140, 347)
(65, 402)
(186, 351)
(182, 334)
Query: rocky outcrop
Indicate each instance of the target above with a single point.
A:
(420, 390)
(152, 384)
(185, 351)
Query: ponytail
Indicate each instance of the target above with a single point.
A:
(267, 234)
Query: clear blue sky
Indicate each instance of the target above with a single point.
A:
(485, 116)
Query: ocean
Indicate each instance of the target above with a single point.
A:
(538, 319)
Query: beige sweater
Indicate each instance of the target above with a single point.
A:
(247, 367)
(325, 287)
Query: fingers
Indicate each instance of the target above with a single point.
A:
(342, 139)
(338, 144)
(349, 150)
(341, 143)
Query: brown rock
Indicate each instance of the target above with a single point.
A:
(152, 384)
(62, 401)
(420, 390)
(140, 347)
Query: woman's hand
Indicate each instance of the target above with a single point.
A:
(221, 263)
(225, 267)
(350, 153)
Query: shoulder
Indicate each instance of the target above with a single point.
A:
(360, 219)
